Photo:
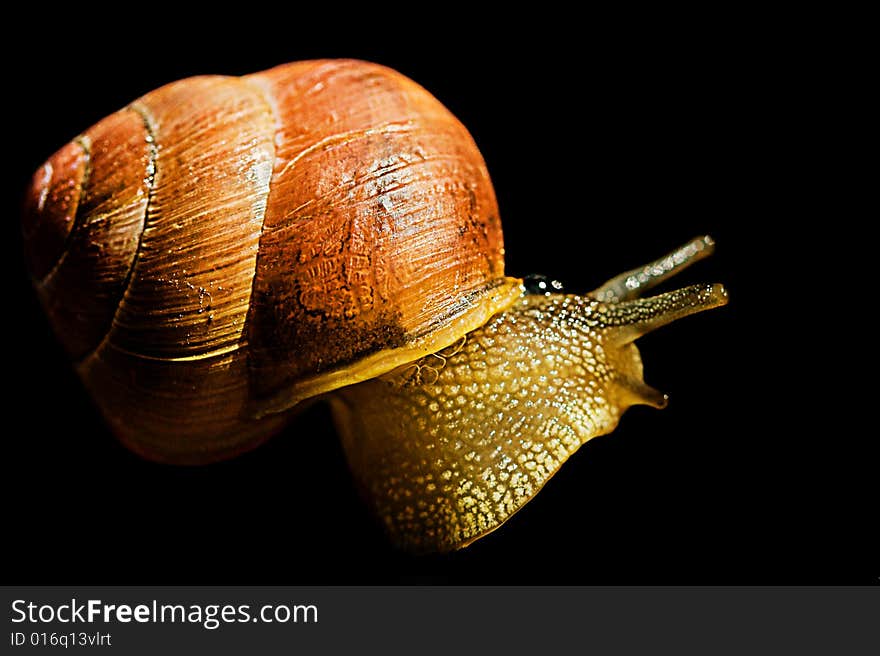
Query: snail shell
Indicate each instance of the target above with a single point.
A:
(226, 247)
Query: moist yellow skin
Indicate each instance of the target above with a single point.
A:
(447, 448)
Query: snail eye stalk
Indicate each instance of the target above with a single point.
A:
(632, 284)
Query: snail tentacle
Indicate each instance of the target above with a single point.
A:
(633, 283)
(627, 321)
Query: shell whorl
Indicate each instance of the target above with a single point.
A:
(221, 239)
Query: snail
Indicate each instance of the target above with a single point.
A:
(226, 250)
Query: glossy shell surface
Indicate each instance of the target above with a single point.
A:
(224, 248)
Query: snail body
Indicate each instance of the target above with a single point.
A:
(225, 250)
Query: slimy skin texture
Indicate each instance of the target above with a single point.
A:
(447, 448)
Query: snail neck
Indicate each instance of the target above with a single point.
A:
(447, 448)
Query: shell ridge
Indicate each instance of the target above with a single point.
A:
(85, 143)
(152, 168)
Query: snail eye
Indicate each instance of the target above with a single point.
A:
(539, 285)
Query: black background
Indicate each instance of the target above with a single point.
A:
(610, 141)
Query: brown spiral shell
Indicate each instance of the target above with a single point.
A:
(224, 248)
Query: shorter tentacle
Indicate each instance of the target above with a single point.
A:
(640, 393)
